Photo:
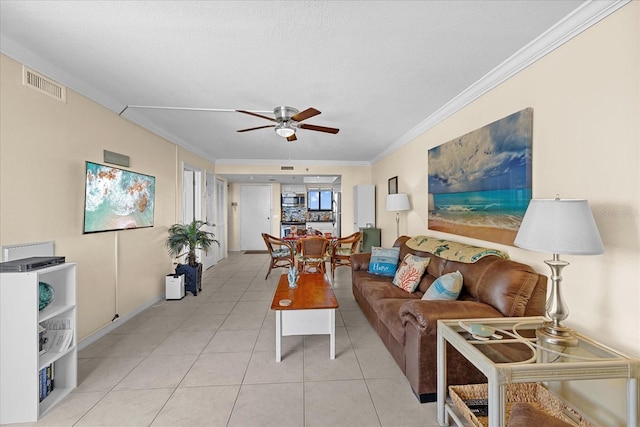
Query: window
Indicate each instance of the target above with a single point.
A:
(319, 200)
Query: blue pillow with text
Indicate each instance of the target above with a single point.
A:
(384, 261)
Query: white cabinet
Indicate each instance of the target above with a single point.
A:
(297, 189)
(364, 203)
(20, 361)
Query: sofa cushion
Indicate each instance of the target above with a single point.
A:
(376, 289)
(505, 285)
(446, 287)
(425, 282)
(410, 272)
(384, 261)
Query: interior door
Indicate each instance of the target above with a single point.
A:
(210, 258)
(255, 216)
(191, 200)
(188, 196)
(221, 218)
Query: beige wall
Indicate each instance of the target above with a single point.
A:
(43, 147)
(586, 137)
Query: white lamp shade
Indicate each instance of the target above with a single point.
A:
(559, 226)
(284, 131)
(398, 202)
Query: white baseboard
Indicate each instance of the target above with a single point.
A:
(87, 341)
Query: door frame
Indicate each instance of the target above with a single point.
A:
(191, 196)
(210, 258)
(221, 217)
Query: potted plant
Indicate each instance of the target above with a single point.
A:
(185, 239)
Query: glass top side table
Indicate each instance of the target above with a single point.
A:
(506, 351)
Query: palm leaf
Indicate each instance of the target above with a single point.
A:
(186, 238)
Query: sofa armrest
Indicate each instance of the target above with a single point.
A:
(360, 261)
(425, 314)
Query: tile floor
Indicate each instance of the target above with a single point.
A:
(209, 360)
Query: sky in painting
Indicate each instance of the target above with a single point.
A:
(494, 157)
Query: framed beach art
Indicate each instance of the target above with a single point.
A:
(479, 184)
(117, 199)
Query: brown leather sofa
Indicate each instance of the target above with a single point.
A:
(492, 287)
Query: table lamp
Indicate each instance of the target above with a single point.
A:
(558, 226)
(398, 202)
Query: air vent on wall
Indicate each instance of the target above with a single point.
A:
(286, 168)
(43, 84)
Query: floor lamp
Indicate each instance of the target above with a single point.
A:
(558, 226)
(398, 202)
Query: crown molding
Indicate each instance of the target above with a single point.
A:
(583, 17)
(265, 162)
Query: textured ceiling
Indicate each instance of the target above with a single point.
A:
(375, 69)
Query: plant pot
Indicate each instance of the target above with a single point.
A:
(192, 277)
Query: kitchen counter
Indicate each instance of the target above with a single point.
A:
(323, 226)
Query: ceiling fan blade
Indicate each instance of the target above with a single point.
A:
(292, 138)
(257, 115)
(318, 128)
(259, 127)
(304, 115)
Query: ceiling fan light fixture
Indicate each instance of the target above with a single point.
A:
(284, 130)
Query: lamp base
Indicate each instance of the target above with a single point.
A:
(557, 334)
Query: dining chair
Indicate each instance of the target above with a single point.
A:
(312, 254)
(281, 253)
(341, 249)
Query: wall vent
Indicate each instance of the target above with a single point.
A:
(115, 158)
(43, 84)
(286, 168)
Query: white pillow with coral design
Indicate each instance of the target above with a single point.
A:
(410, 272)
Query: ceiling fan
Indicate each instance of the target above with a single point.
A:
(288, 120)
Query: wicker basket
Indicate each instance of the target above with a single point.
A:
(530, 392)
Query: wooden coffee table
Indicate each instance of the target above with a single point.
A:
(312, 310)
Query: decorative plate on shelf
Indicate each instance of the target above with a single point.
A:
(46, 295)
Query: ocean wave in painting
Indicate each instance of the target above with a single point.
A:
(501, 221)
(502, 209)
(117, 199)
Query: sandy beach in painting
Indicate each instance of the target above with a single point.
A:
(491, 234)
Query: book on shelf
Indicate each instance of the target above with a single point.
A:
(57, 335)
(478, 407)
(57, 340)
(41, 339)
(46, 379)
(58, 323)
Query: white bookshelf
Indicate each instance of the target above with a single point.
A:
(20, 361)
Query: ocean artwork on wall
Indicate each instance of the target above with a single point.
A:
(479, 184)
(117, 199)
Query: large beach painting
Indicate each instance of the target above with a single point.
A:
(479, 184)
